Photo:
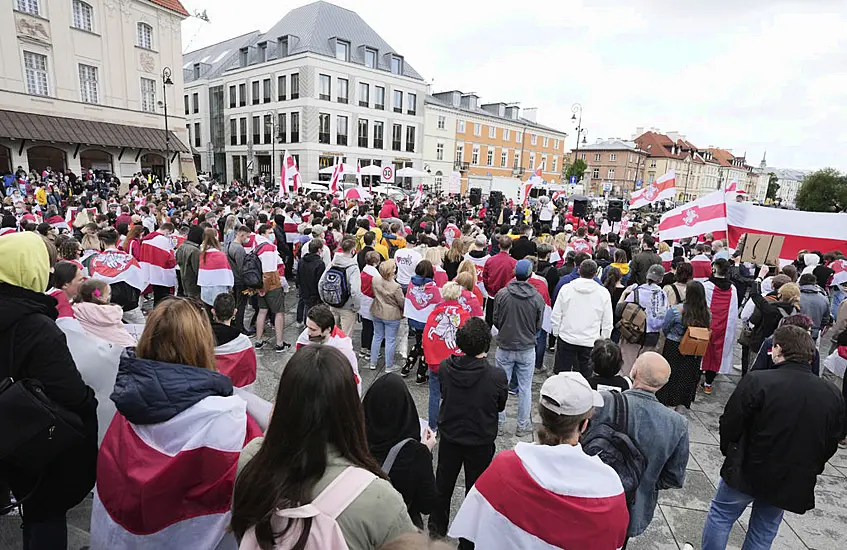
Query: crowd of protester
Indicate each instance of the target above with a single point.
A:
(131, 314)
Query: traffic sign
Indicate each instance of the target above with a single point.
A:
(638, 184)
(573, 179)
(388, 174)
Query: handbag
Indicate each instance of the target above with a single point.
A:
(34, 430)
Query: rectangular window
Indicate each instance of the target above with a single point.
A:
(582, 156)
(556, 144)
(295, 127)
(195, 103)
(363, 133)
(280, 88)
(611, 173)
(396, 64)
(88, 85)
(148, 95)
(504, 155)
(232, 96)
(197, 135)
(555, 164)
(477, 129)
(517, 160)
(83, 16)
(398, 101)
(341, 131)
(506, 135)
(326, 87)
(613, 157)
(379, 98)
(379, 134)
(461, 128)
(519, 137)
(242, 95)
(343, 90)
(532, 161)
(257, 130)
(242, 131)
(266, 90)
(36, 73)
(364, 94)
(370, 58)
(534, 139)
(185, 103)
(268, 125)
(281, 130)
(281, 47)
(145, 36)
(492, 132)
(460, 152)
(342, 50)
(295, 86)
(412, 104)
(397, 137)
(254, 88)
(410, 139)
(475, 155)
(323, 128)
(29, 6)
(653, 163)
(442, 122)
(595, 174)
(490, 157)
(546, 141)
(233, 131)
(596, 157)
(543, 163)
(439, 151)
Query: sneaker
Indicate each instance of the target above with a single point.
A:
(259, 345)
(687, 546)
(522, 432)
(551, 350)
(391, 370)
(372, 366)
(407, 368)
(283, 347)
(364, 354)
(737, 367)
(707, 389)
(513, 391)
(250, 331)
(421, 379)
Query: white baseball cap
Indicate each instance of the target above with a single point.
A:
(569, 393)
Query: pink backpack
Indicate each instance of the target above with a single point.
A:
(325, 533)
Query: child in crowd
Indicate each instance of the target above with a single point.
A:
(606, 361)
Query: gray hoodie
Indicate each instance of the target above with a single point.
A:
(354, 279)
(815, 304)
(518, 315)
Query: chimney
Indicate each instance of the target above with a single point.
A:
(531, 114)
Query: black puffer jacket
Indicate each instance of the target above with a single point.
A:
(32, 346)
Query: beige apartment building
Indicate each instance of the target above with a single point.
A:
(614, 166)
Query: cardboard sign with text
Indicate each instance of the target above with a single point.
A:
(762, 249)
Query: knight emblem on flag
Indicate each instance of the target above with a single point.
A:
(111, 264)
(690, 216)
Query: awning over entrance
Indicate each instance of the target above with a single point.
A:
(17, 125)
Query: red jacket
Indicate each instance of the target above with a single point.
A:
(499, 270)
(389, 210)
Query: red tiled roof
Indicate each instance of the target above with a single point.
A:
(173, 5)
(723, 156)
(657, 145)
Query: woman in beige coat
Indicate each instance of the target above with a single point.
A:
(387, 310)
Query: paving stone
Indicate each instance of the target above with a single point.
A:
(825, 527)
(709, 458)
(687, 526)
(696, 493)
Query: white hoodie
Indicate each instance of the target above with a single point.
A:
(582, 313)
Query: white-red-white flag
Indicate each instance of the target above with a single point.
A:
(214, 269)
(237, 359)
(358, 174)
(662, 188)
(337, 176)
(158, 260)
(418, 196)
(704, 215)
(288, 172)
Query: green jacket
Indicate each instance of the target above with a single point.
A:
(376, 517)
(188, 260)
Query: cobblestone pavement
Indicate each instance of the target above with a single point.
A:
(680, 514)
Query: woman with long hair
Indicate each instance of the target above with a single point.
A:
(316, 434)
(132, 243)
(614, 284)
(166, 464)
(455, 255)
(685, 369)
(387, 310)
(421, 298)
(229, 229)
(215, 274)
(675, 291)
(468, 266)
(435, 256)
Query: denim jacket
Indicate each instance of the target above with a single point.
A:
(662, 436)
(672, 325)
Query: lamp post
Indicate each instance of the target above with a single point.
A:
(166, 79)
(577, 108)
(272, 118)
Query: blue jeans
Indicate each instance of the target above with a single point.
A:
(434, 400)
(727, 506)
(387, 330)
(523, 363)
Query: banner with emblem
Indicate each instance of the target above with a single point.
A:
(117, 266)
(421, 300)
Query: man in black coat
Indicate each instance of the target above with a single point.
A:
(523, 247)
(778, 430)
(309, 273)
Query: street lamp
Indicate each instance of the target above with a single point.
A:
(166, 79)
(271, 118)
(577, 108)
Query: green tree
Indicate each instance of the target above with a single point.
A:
(823, 191)
(577, 169)
(773, 186)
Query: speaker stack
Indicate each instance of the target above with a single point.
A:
(615, 210)
(476, 196)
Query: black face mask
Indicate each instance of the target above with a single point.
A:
(319, 339)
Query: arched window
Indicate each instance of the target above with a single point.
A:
(145, 36)
(83, 16)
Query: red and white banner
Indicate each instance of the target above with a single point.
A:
(158, 260)
(662, 188)
(570, 500)
(237, 359)
(439, 337)
(470, 303)
(723, 303)
(58, 223)
(421, 300)
(169, 485)
(451, 232)
(337, 176)
(7, 231)
(540, 284)
(288, 172)
(418, 196)
(117, 266)
(704, 215)
(267, 255)
(480, 269)
(343, 343)
(441, 277)
(214, 269)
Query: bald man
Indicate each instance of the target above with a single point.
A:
(659, 432)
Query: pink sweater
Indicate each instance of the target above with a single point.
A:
(104, 322)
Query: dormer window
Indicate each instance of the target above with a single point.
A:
(396, 64)
(342, 50)
(263, 52)
(370, 58)
(242, 57)
(282, 47)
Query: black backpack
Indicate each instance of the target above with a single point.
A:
(392, 248)
(615, 448)
(252, 276)
(334, 288)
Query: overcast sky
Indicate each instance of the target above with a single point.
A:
(745, 75)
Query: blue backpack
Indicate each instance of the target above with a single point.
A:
(334, 289)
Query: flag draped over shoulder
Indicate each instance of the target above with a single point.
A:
(421, 300)
(214, 269)
(158, 260)
(723, 303)
(237, 359)
(439, 338)
(117, 266)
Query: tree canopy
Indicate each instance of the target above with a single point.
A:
(823, 191)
